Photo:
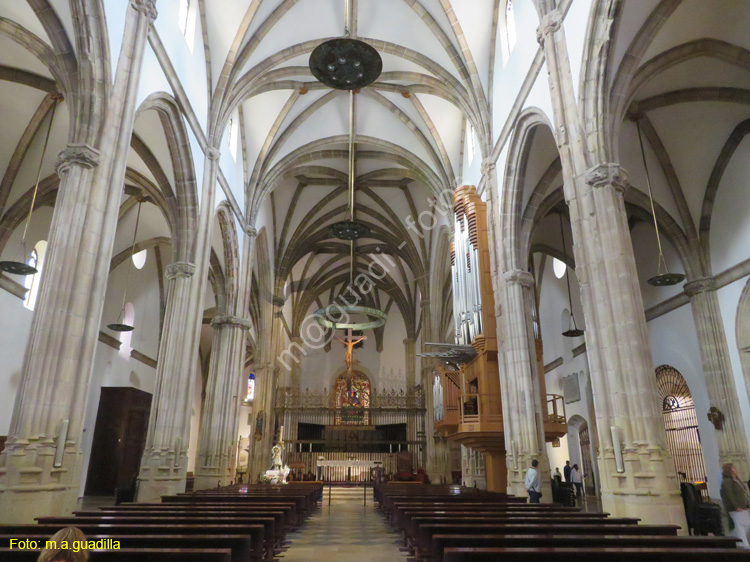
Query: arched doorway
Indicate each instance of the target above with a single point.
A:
(681, 424)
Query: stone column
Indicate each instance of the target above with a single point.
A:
(296, 346)
(164, 465)
(523, 422)
(619, 355)
(219, 423)
(260, 449)
(410, 348)
(717, 370)
(644, 484)
(65, 329)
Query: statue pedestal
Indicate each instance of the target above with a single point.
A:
(277, 476)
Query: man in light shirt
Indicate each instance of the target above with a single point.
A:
(532, 484)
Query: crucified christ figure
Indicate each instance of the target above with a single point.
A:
(349, 342)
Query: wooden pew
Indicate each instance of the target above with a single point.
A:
(270, 538)
(594, 554)
(423, 543)
(255, 532)
(131, 555)
(290, 509)
(239, 545)
(441, 542)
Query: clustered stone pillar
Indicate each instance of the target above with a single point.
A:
(523, 422)
(638, 476)
(717, 370)
(410, 348)
(164, 464)
(619, 354)
(39, 473)
(218, 432)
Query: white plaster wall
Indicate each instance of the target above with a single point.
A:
(15, 327)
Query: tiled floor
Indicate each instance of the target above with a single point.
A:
(345, 531)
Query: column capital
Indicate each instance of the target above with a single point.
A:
(212, 153)
(179, 269)
(488, 166)
(231, 322)
(81, 155)
(698, 286)
(604, 175)
(147, 7)
(550, 22)
(250, 230)
(519, 277)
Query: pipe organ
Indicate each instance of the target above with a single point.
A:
(470, 409)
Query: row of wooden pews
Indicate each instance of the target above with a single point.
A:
(242, 523)
(456, 524)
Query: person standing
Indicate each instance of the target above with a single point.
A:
(566, 471)
(736, 499)
(557, 475)
(532, 483)
(575, 477)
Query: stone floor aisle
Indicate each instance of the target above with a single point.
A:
(345, 531)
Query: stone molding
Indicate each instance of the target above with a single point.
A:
(250, 231)
(488, 166)
(179, 269)
(698, 286)
(605, 175)
(212, 153)
(81, 155)
(147, 7)
(550, 22)
(519, 277)
(230, 322)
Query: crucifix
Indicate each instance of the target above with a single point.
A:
(350, 342)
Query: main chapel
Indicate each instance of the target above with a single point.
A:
(356, 252)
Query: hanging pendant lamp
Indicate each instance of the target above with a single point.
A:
(665, 279)
(120, 325)
(345, 63)
(22, 267)
(573, 330)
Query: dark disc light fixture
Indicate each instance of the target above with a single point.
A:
(21, 267)
(666, 278)
(573, 330)
(349, 230)
(345, 63)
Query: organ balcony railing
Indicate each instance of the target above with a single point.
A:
(555, 422)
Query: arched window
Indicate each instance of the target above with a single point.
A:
(139, 259)
(186, 21)
(250, 388)
(233, 135)
(558, 266)
(508, 32)
(471, 146)
(681, 424)
(128, 318)
(32, 281)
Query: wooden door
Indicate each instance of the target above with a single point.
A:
(119, 439)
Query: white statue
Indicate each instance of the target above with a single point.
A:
(276, 458)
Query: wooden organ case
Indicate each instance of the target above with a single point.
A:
(471, 407)
(468, 401)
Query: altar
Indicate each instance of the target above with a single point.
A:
(327, 470)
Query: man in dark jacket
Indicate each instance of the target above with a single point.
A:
(736, 499)
(566, 471)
